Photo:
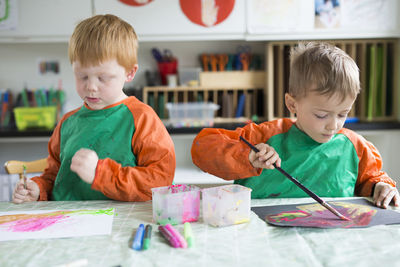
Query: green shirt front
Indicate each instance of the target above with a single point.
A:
(108, 132)
(328, 169)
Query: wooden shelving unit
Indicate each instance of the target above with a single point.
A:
(378, 62)
(227, 89)
(227, 98)
(263, 91)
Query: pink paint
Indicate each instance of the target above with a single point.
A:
(191, 206)
(321, 218)
(178, 188)
(34, 224)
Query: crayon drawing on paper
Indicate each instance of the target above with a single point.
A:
(43, 224)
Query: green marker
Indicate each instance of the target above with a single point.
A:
(147, 237)
(187, 234)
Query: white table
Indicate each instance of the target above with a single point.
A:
(251, 244)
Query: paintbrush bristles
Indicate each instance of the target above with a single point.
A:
(331, 209)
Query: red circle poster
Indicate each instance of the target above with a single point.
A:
(207, 13)
(136, 2)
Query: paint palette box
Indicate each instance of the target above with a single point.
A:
(226, 205)
(176, 204)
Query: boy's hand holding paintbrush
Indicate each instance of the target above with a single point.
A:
(25, 191)
(265, 158)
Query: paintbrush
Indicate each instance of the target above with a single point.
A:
(302, 187)
(24, 176)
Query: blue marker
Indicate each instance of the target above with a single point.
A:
(138, 240)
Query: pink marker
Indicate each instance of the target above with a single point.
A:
(177, 235)
(169, 236)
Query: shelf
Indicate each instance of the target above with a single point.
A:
(314, 35)
(33, 39)
(44, 135)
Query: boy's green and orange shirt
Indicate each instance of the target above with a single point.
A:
(135, 154)
(342, 167)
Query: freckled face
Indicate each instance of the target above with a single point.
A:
(100, 86)
(320, 116)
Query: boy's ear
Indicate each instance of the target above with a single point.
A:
(291, 103)
(131, 74)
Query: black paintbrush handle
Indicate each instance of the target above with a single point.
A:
(302, 187)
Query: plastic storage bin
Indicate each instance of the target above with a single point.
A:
(176, 204)
(35, 117)
(193, 114)
(226, 205)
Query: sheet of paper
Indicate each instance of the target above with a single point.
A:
(44, 224)
(8, 14)
(266, 16)
(361, 212)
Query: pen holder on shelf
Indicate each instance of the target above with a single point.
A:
(167, 67)
(226, 205)
(176, 204)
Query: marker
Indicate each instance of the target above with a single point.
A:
(187, 234)
(169, 236)
(138, 240)
(302, 187)
(147, 237)
(178, 236)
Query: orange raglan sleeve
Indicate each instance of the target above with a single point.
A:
(46, 180)
(369, 166)
(221, 153)
(155, 154)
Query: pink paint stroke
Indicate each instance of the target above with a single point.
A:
(323, 218)
(34, 224)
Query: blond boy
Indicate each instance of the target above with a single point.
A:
(315, 148)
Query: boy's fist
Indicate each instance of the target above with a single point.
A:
(84, 163)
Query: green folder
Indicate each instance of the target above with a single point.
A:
(371, 88)
(389, 82)
(151, 101)
(200, 97)
(161, 106)
(379, 76)
(24, 96)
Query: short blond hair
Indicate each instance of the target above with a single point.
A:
(101, 38)
(322, 68)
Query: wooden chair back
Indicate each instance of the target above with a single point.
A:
(17, 167)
